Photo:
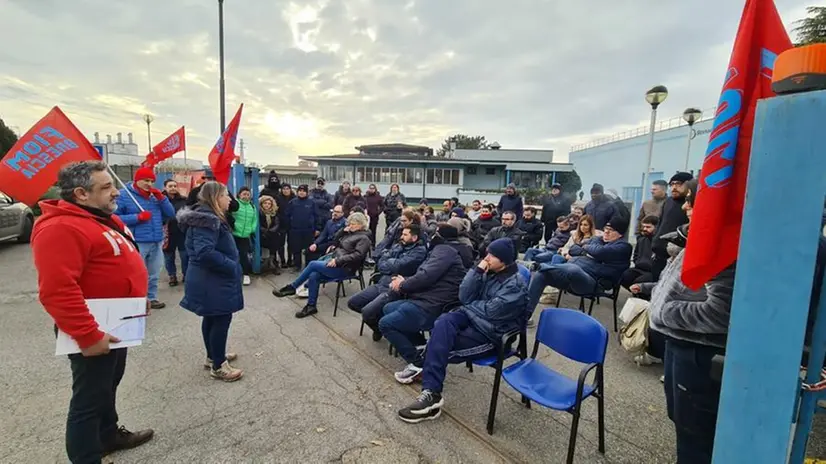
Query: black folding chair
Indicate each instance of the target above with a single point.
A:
(604, 288)
(340, 292)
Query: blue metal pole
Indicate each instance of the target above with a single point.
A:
(507, 177)
(255, 179)
(772, 289)
(553, 178)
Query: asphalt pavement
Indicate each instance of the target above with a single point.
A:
(313, 391)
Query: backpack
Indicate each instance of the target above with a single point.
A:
(634, 336)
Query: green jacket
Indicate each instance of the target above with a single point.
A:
(246, 219)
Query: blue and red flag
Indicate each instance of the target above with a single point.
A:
(223, 153)
(714, 235)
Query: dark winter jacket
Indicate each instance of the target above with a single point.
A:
(375, 204)
(623, 213)
(465, 251)
(340, 195)
(150, 231)
(273, 186)
(328, 235)
(533, 230)
(643, 255)
(513, 233)
(301, 214)
(602, 260)
(324, 206)
(351, 202)
(602, 211)
(671, 217)
(511, 203)
(558, 240)
(283, 203)
(391, 236)
(495, 303)
(213, 279)
(554, 207)
(391, 210)
(436, 282)
(174, 234)
(442, 216)
(401, 259)
(352, 248)
(269, 227)
(481, 228)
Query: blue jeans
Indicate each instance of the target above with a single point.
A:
(169, 258)
(540, 255)
(558, 259)
(315, 274)
(692, 398)
(566, 277)
(152, 254)
(452, 340)
(402, 324)
(215, 330)
(370, 302)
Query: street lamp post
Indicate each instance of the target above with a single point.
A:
(147, 118)
(221, 62)
(655, 96)
(690, 115)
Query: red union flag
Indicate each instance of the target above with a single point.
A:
(30, 167)
(222, 154)
(175, 143)
(714, 235)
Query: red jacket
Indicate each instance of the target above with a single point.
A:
(81, 256)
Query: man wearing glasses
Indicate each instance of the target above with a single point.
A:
(508, 229)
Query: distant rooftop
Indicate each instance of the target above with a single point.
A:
(398, 148)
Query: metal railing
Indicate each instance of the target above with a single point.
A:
(662, 125)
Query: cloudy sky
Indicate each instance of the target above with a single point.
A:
(320, 77)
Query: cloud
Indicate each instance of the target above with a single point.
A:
(323, 76)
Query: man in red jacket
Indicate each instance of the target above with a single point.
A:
(82, 251)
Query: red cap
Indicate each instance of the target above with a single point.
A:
(144, 173)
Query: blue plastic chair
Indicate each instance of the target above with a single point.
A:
(578, 337)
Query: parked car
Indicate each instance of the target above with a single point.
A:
(16, 220)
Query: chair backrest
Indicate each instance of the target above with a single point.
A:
(525, 273)
(573, 334)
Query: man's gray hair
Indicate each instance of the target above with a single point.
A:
(76, 175)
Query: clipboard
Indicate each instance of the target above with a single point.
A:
(115, 316)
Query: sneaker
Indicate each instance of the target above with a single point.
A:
(286, 290)
(531, 323)
(155, 304)
(547, 299)
(646, 359)
(247, 280)
(226, 373)
(173, 281)
(229, 357)
(302, 292)
(124, 439)
(427, 406)
(306, 311)
(662, 379)
(410, 374)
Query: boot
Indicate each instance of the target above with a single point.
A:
(306, 311)
(124, 439)
(173, 281)
(286, 290)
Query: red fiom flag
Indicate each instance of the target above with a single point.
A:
(175, 143)
(31, 166)
(222, 154)
(714, 236)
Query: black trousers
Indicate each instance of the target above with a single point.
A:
(280, 242)
(550, 228)
(633, 276)
(374, 224)
(93, 417)
(299, 242)
(243, 245)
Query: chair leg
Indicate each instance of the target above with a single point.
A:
(469, 366)
(361, 329)
(559, 297)
(361, 282)
(615, 314)
(494, 397)
(343, 289)
(591, 307)
(601, 415)
(335, 308)
(572, 439)
(582, 304)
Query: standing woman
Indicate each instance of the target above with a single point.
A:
(244, 225)
(375, 205)
(394, 203)
(268, 222)
(213, 285)
(282, 200)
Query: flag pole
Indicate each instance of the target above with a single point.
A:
(125, 188)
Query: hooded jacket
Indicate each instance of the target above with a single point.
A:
(602, 260)
(401, 259)
(341, 195)
(461, 225)
(351, 201)
(268, 224)
(554, 207)
(391, 201)
(150, 231)
(80, 254)
(391, 236)
(602, 211)
(273, 187)
(533, 230)
(495, 303)
(352, 248)
(436, 282)
(324, 205)
(558, 240)
(213, 279)
(511, 203)
(172, 231)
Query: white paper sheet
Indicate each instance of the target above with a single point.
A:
(109, 314)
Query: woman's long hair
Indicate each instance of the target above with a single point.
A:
(578, 237)
(209, 194)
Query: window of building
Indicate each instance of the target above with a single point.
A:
(490, 171)
(394, 175)
(471, 170)
(360, 175)
(530, 180)
(443, 176)
(385, 175)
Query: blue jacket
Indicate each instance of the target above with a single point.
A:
(213, 279)
(558, 240)
(510, 203)
(328, 233)
(495, 303)
(324, 206)
(302, 214)
(602, 211)
(602, 260)
(437, 280)
(401, 259)
(150, 231)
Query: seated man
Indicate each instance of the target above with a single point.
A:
(604, 257)
(483, 224)
(494, 302)
(352, 246)
(508, 229)
(643, 255)
(394, 231)
(402, 259)
(558, 240)
(327, 236)
(433, 288)
(532, 227)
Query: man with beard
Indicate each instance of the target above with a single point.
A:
(672, 216)
(642, 257)
(652, 206)
(474, 211)
(508, 229)
(484, 224)
(532, 228)
(510, 201)
(555, 205)
(174, 238)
